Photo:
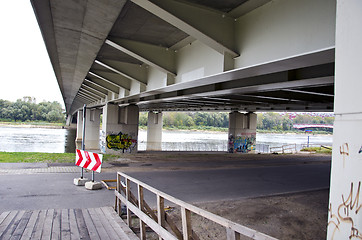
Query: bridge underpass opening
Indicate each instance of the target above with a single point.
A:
(209, 132)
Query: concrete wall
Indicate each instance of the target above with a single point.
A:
(154, 131)
(156, 79)
(283, 28)
(119, 119)
(197, 60)
(242, 132)
(345, 206)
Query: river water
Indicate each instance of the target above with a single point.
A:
(21, 139)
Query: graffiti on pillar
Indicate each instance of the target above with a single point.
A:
(243, 144)
(346, 215)
(344, 151)
(120, 141)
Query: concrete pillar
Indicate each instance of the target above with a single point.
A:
(154, 131)
(69, 120)
(242, 132)
(345, 203)
(79, 134)
(92, 126)
(119, 120)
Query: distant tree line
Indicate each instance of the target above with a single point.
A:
(191, 119)
(27, 109)
(265, 121)
(276, 121)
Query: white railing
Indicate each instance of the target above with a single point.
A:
(160, 222)
(289, 148)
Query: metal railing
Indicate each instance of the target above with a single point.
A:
(159, 221)
(289, 148)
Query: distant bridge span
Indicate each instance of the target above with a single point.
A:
(303, 126)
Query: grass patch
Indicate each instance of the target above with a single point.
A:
(32, 157)
(317, 150)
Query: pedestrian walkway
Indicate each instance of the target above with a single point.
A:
(90, 223)
(58, 169)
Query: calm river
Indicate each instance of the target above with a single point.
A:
(21, 139)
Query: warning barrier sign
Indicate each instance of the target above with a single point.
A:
(89, 160)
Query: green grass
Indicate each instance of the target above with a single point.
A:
(31, 157)
(317, 150)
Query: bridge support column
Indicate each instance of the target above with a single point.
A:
(242, 132)
(92, 126)
(117, 120)
(154, 131)
(345, 203)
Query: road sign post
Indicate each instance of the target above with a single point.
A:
(81, 181)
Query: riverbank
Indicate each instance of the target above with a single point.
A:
(32, 125)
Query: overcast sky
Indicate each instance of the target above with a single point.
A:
(25, 66)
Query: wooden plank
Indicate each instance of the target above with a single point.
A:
(18, 232)
(30, 227)
(110, 231)
(126, 230)
(74, 231)
(173, 227)
(6, 222)
(160, 211)
(3, 216)
(140, 206)
(55, 235)
(150, 222)
(118, 206)
(82, 227)
(65, 227)
(232, 235)
(93, 234)
(48, 222)
(186, 223)
(128, 197)
(12, 225)
(113, 222)
(97, 223)
(38, 230)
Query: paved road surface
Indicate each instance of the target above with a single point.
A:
(56, 190)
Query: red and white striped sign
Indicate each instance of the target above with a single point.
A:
(89, 160)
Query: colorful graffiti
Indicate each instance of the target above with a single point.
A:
(242, 144)
(346, 213)
(120, 141)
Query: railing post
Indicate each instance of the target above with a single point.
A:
(118, 206)
(161, 211)
(140, 206)
(186, 223)
(128, 197)
(232, 235)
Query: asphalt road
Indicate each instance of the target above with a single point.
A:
(56, 190)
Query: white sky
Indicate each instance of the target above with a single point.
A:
(25, 65)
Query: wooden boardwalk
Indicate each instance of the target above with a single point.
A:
(91, 223)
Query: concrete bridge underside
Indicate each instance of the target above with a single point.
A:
(256, 55)
(122, 56)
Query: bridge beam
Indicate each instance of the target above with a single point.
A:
(216, 29)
